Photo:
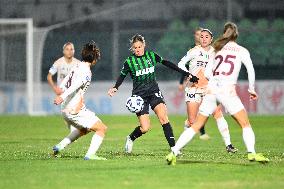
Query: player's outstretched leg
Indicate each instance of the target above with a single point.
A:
(100, 130)
(249, 137)
(136, 133)
(185, 138)
(144, 127)
(74, 135)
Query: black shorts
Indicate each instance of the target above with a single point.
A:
(152, 100)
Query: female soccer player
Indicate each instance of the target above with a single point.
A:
(141, 66)
(182, 84)
(62, 67)
(197, 59)
(73, 88)
(223, 75)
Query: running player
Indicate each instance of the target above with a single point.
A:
(223, 75)
(62, 67)
(197, 58)
(74, 111)
(182, 84)
(141, 67)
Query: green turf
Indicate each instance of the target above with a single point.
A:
(26, 141)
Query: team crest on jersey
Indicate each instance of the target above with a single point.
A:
(206, 55)
(149, 62)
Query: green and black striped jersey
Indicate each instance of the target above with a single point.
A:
(142, 72)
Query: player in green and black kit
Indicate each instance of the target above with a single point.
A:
(141, 67)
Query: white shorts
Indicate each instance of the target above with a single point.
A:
(226, 96)
(193, 94)
(84, 119)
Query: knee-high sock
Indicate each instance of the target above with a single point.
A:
(95, 144)
(136, 133)
(184, 138)
(224, 130)
(168, 131)
(249, 139)
(74, 135)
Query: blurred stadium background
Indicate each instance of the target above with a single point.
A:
(27, 54)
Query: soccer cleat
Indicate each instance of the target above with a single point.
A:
(94, 157)
(56, 151)
(259, 157)
(231, 149)
(128, 145)
(171, 159)
(204, 137)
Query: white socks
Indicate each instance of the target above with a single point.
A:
(72, 128)
(65, 142)
(249, 139)
(95, 144)
(74, 135)
(184, 138)
(224, 130)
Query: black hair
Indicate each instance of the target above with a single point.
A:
(90, 52)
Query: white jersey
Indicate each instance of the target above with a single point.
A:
(227, 64)
(197, 59)
(62, 68)
(74, 86)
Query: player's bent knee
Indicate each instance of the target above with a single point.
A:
(103, 128)
(217, 114)
(83, 132)
(144, 129)
(164, 120)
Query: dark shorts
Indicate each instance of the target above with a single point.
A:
(151, 100)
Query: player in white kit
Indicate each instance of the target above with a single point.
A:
(62, 67)
(74, 111)
(223, 74)
(183, 83)
(197, 59)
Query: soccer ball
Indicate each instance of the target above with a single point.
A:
(134, 104)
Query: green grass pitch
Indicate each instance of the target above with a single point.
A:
(25, 143)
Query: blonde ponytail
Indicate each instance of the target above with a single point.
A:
(230, 33)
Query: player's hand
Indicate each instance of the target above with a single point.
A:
(58, 90)
(58, 100)
(252, 95)
(193, 79)
(112, 91)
